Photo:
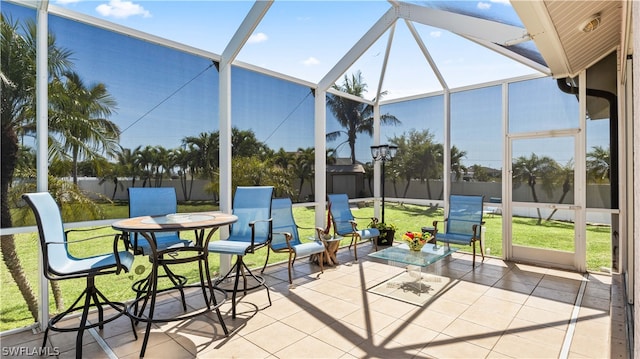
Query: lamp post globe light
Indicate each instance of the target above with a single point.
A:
(383, 153)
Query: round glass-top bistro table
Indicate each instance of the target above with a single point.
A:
(204, 224)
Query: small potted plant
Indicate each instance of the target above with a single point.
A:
(387, 232)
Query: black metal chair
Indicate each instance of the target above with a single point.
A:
(166, 249)
(60, 264)
(252, 231)
(156, 201)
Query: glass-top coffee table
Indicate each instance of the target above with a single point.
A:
(415, 281)
(401, 253)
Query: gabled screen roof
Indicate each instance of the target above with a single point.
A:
(305, 39)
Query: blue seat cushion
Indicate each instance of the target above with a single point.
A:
(94, 264)
(229, 247)
(454, 238)
(369, 233)
(162, 243)
(309, 248)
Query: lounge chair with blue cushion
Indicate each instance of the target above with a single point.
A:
(285, 237)
(345, 225)
(463, 224)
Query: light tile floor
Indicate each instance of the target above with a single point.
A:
(498, 310)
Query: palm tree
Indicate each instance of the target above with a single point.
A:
(245, 144)
(254, 171)
(127, 161)
(599, 165)
(565, 176)
(368, 176)
(408, 155)
(148, 162)
(355, 117)
(283, 159)
(532, 169)
(186, 162)
(17, 63)
(303, 166)
(163, 165)
(108, 172)
(25, 167)
(428, 163)
(456, 162)
(205, 148)
(480, 173)
(78, 120)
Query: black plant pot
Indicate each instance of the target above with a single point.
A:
(386, 237)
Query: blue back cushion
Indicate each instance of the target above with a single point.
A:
(50, 229)
(153, 201)
(464, 212)
(340, 213)
(252, 204)
(283, 221)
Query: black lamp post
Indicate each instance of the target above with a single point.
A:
(383, 153)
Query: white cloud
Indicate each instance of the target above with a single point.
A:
(121, 9)
(435, 33)
(503, 2)
(257, 38)
(484, 5)
(311, 61)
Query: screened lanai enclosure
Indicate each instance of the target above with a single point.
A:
(467, 91)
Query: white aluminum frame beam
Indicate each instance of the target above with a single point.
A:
(535, 17)
(42, 144)
(510, 54)
(427, 55)
(320, 156)
(377, 183)
(242, 34)
(369, 38)
(464, 25)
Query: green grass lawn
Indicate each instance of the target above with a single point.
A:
(14, 314)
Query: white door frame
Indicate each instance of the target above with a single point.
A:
(574, 260)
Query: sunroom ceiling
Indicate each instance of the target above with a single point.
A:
(468, 42)
(556, 27)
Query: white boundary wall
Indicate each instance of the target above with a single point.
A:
(597, 195)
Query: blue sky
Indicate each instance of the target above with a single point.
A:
(164, 95)
(322, 31)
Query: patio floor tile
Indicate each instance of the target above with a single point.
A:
(498, 310)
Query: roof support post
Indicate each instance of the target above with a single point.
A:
(42, 135)
(446, 178)
(580, 178)
(320, 128)
(225, 155)
(376, 164)
(376, 127)
(242, 34)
